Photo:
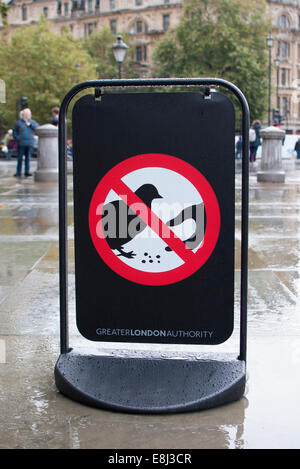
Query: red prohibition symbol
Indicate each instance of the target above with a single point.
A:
(191, 261)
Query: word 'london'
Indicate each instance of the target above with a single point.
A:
(154, 333)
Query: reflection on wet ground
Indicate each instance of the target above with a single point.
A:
(35, 415)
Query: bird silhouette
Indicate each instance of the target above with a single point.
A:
(121, 224)
(196, 213)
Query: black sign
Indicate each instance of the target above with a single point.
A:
(154, 217)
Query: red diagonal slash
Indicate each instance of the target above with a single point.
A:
(154, 222)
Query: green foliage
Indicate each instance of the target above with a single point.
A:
(42, 65)
(3, 12)
(224, 39)
(99, 47)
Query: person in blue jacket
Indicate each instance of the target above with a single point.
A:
(24, 134)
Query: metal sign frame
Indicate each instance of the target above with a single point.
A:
(62, 364)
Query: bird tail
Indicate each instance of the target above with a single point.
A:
(196, 213)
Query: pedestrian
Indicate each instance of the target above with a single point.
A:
(238, 148)
(55, 114)
(254, 138)
(24, 134)
(10, 144)
(297, 148)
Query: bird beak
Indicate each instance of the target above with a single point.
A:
(159, 197)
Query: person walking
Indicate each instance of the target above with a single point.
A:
(254, 139)
(239, 148)
(24, 134)
(297, 148)
(55, 115)
(10, 143)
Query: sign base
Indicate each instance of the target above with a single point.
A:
(150, 385)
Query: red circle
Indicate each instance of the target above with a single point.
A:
(211, 208)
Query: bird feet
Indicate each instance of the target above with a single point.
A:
(129, 255)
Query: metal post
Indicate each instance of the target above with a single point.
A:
(270, 75)
(277, 90)
(17, 108)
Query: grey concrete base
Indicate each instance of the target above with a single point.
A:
(147, 385)
(46, 175)
(270, 176)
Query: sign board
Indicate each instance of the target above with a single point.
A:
(154, 217)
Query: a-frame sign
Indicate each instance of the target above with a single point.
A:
(154, 198)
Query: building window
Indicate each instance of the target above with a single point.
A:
(141, 53)
(138, 2)
(138, 28)
(166, 1)
(66, 9)
(113, 26)
(97, 5)
(58, 9)
(166, 22)
(284, 49)
(89, 28)
(138, 53)
(284, 106)
(24, 12)
(90, 6)
(284, 22)
(112, 4)
(283, 76)
(45, 12)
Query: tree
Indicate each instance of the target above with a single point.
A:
(99, 46)
(42, 65)
(224, 39)
(3, 12)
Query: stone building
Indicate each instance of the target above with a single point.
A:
(147, 21)
(286, 74)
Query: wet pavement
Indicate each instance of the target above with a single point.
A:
(33, 414)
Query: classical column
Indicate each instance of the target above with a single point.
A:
(271, 158)
(47, 167)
